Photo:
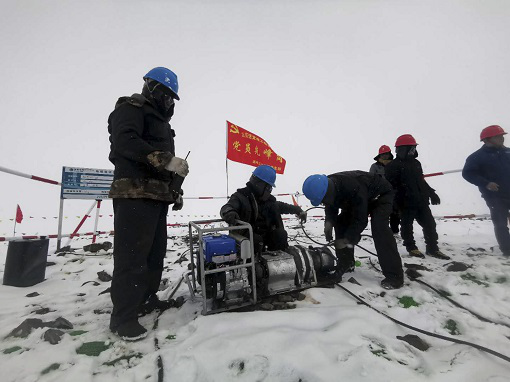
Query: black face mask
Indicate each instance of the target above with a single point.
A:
(406, 151)
(261, 189)
(159, 95)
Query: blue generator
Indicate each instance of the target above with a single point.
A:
(219, 248)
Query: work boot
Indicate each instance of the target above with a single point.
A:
(152, 303)
(345, 260)
(438, 254)
(416, 253)
(130, 331)
(391, 284)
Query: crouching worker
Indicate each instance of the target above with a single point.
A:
(146, 181)
(255, 204)
(358, 194)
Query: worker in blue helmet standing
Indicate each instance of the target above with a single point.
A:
(357, 194)
(147, 179)
(255, 204)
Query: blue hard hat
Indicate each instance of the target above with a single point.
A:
(266, 173)
(315, 187)
(165, 77)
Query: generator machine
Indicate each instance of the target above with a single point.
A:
(226, 273)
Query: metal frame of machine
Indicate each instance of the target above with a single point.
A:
(249, 264)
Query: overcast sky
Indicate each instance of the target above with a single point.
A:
(324, 82)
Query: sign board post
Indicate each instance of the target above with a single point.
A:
(83, 183)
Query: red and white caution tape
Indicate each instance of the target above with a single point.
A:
(30, 176)
(55, 236)
(442, 173)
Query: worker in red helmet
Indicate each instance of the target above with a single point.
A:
(382, 159)
(488, 168)
(413, 195)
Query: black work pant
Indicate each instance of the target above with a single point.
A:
(499, 211)
(140, 244)
(394, 221)
(384, 241)
(424, 217)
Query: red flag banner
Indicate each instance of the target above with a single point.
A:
(19, 214)
(250, 149)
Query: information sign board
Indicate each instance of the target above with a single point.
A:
(85, 183)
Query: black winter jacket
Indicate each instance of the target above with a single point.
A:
(141, 144)
(407, 179)
(489, 165)
(354, 191)
(377, 168)
(262, 215)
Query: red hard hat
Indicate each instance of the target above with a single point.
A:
(492, 131)
(384, 149)
(406, 139)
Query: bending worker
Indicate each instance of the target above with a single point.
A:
(255, 204)
(357, 194)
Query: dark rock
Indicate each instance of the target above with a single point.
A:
(95, 247)
(266, 306)
(181, 259)
(104, 276)
(285, 298)
(81, 294)
(107, 291)
(64, 249)
(48, 264)
(416, 267)
(458, 266)
(53, 336)
(179, 301)
(60, 323)
(413, 274)
(94, 283)
(42, 311)
(31, 295)
(354, 281)
(301, 297)
(414, 341)
(26, 327)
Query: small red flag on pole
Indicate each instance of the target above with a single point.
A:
(250, 149)
(19, 214)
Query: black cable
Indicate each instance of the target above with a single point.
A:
(416, 279)
(443, 295)
(481, 348)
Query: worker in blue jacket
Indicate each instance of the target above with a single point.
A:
(488, 168)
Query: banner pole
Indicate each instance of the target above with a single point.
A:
(226, 160)
(59, 230)
(15, 217)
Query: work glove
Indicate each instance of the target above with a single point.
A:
(230, 217)
(329, 226)
(435, 199)
(342, 243)
(178, 205)
(178, 166)
(492, 186)
(302, 216)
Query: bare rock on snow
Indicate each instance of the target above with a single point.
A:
(26, 327)
(458, 266)
(53, 336)
(104, 276)
(414, 341)
(31, 295)
(60, 323)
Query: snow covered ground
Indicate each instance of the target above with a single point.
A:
(326, 337)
